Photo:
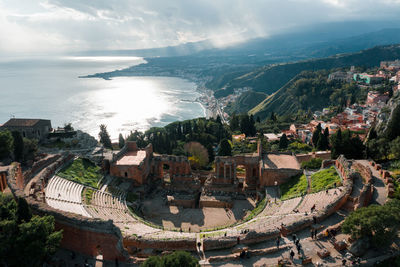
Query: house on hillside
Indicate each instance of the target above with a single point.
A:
(368, 78)
(29, 128)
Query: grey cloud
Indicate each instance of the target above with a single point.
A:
(125, 24)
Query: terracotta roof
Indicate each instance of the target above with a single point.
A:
(22, 122)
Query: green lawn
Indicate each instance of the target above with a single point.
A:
(324, 179)
(294, 188)
(82, 171)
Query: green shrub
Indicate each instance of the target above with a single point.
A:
(176, 259)
(314, 163)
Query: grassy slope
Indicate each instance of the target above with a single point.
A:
(294, 188)
(82, 171)
(324, 179)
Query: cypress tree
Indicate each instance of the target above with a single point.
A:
(121, 141)
(18, 146)
(225, 148)
(105, 137)
(283, 142)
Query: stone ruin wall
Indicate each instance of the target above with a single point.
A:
(269, 176)
(179, 166)
(134, 243)
(186, 203)
(386, 177)
(367, 191)
(325, 155)
(214, 243)
(85, 235)
(39, 165)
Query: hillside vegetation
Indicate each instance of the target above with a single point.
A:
(309, 90)
(268, 79)
(245, 102)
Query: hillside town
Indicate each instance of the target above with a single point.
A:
(358, 117)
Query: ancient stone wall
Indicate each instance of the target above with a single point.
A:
(324, 155)
(86, 235)
(132, 244)
(172, 165)
(39, 165)
(269, 176)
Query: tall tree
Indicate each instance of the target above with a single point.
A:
(234, 123)
(252, 127)
(322, 142)
(30, 148)
(225, 148)
(121, 141)
(283, 142)
(25, 240)
(18, 146)
(316, 135)
(6, 144)
(210, 151)
(105, 137)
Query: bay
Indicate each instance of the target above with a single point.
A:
(50, 88)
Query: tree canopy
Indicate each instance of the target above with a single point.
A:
(105, 137)
(176, 259)
(6, 144)
(379, 223)
(25, 240)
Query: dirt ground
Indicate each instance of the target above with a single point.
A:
(157, 211)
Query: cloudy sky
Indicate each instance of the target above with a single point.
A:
(56, 26)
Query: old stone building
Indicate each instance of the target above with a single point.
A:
(29, 128)
(258, 169)
(132, 163)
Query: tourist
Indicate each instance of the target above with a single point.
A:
(294, 237)
(344, 262)
(312, 233)
(238, 239)
(326, 191)
(312, 208)
(291, 254)
(278, 241)
(189, 229)
(314, 219)
(334, 185)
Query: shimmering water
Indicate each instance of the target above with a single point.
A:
(50, 89)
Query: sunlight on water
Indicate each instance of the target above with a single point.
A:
(51, 89)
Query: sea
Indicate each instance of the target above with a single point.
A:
(50, 88)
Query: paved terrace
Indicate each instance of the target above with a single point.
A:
(273, 161)
(132, 158)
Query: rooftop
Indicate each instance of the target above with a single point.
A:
(277, 161)
(22, 122)
(132, 158)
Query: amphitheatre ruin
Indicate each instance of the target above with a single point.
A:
(146, 203)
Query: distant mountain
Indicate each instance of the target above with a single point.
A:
(268, 79)
(310, 90)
